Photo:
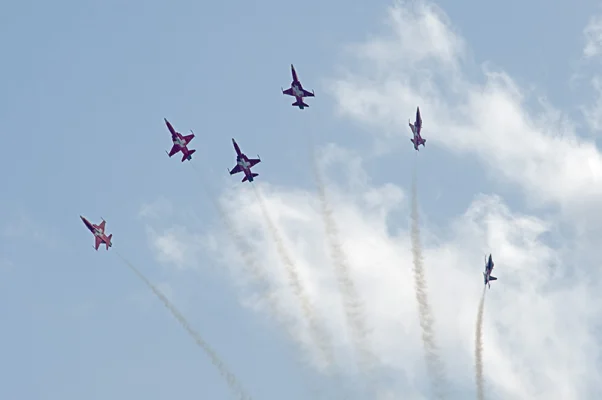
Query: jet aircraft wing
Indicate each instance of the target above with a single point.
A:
(174, 149)
(307, 93)
(188, 138)
(236, 169)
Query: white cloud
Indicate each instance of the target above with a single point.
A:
(593, 37)
(593, 112)
(160, 207)
(538, 342)
(592, 50)
(430, 25)
(177, 246)
(538, 335)
(539, 330)
(537, 149)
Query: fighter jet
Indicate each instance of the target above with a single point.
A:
(99, 233)
(416, 127)
(487, 274)
(244, 164)
(180, 143)
(297, 91)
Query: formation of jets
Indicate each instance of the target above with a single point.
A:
(244, 163)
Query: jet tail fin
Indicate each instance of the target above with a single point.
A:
(188, 156)
(300, 104)
(253, 175)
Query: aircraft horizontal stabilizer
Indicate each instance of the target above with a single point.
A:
(300, 104)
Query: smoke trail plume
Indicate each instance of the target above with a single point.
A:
(260, 274)
(241, 246)
(233, 383)
(240, 243)
(352, 304)
(320, 339)
(253, 265)
(433, 361)
(478, 350)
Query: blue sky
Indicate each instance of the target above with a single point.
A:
(511, 115)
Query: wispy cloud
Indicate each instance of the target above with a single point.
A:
(381, 266)
(537, 149)
(593, 112)
(160, 208)
(593, 37)
(177, 246)
(592, 50)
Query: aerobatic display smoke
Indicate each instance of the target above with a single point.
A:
(351, 301)
(433, 360)
(319, 337)
(259, 273)
(478, 350)
(240, 243)
(233, 383)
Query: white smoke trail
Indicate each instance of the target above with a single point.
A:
(233, 383)
(250, 261)
(259, 273)
(319, 337)
(433, 361)
(275, 308)
(478, 349)
(351, 300)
